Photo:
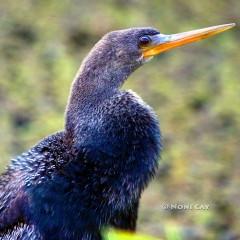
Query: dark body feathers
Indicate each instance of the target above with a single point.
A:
(88, 176)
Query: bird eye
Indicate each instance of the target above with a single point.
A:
(144, 41)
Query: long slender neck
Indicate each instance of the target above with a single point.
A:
(92, 84)
(99, 77)
(86, 94)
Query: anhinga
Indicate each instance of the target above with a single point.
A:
(92, 174)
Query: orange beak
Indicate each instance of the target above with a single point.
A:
(161, 42)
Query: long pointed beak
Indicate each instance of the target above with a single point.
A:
(161, 42)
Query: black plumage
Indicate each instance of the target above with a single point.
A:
(90, 175)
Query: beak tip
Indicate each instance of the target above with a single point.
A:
(231, 25)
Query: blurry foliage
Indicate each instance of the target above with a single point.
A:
(195, 91)
(112, 234)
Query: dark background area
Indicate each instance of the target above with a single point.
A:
(195, 91)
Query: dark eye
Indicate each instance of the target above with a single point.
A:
(144, 41)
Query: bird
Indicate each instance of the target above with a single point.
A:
(91, 174)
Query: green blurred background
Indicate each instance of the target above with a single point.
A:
(195, 91)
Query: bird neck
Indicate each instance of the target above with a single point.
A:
(96, 81)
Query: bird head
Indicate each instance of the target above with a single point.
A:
(120, 52)
(136, 45)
